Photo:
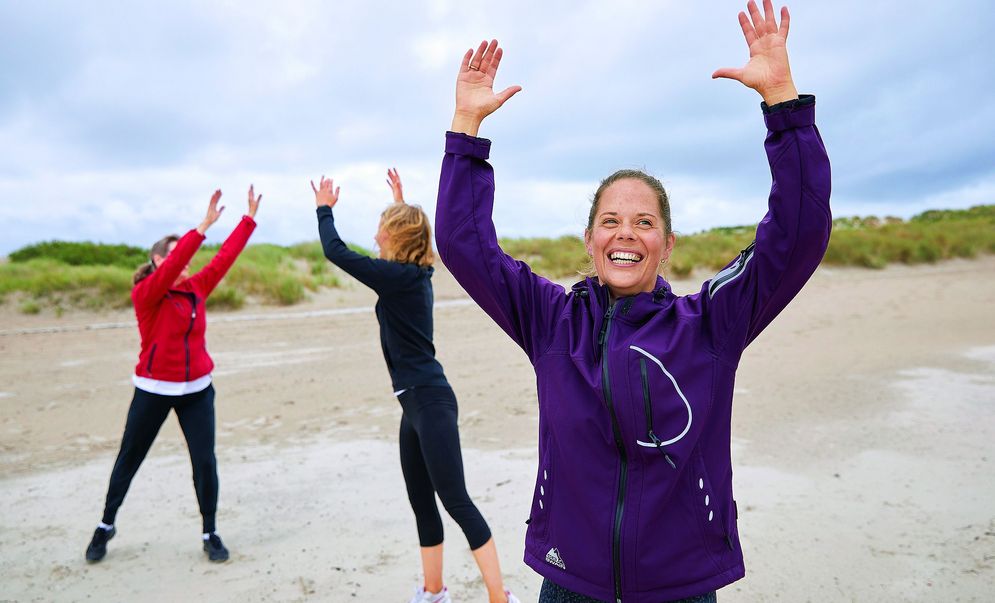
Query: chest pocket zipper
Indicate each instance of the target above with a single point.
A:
(655, 441)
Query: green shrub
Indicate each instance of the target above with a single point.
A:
(95, 286)
(82, 254)
(554, 258)
(225, 298)
(30, 306)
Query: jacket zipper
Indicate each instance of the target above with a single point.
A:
(623, 470)
(186, 336)
(649, 414)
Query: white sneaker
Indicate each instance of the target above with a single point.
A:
(511, 597)
(423, 596)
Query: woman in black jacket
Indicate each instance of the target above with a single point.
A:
(430, 450)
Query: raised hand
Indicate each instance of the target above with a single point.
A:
(213, 212)
(475, 96)
(253, 202)
(394, 182)
(767, 71)
(326, 193)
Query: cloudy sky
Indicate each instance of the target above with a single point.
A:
(118, 119)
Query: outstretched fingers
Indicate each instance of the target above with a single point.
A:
(758, 20)
(748, 32)
(785, 22)
(478, 57)
(495, 62)
(770, 22)
(466, 61)
(488, 59)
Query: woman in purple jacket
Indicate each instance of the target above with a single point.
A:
(633, 498)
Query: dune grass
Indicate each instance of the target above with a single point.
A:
(868, 242)
(272, 274)
(92, 276)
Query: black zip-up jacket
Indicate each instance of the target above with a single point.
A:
(404, 308)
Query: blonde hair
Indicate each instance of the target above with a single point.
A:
(410, 234)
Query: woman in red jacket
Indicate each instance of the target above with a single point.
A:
(174, 369)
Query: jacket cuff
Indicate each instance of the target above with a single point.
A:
(248, 218)
(795, 113)
(324, 210)
(464, 144)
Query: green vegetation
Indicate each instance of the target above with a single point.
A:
(83, 254)
(48, 275)
(928, 237)
(273, 274)
(47, 282)
(554, 258)
(92, 276)
(867, 242)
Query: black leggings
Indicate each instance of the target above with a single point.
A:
(146, 415)
(431, 462)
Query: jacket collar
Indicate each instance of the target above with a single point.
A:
(598, 297)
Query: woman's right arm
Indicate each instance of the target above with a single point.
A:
(154, 287)
(379, 275)
(520, 302)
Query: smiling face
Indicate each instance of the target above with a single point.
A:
(627, 239)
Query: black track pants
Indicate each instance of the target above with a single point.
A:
(432, 463)
(146, 415)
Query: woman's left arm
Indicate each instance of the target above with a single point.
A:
(210, 275)
(792, 238)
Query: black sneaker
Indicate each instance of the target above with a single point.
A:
(98, 544)
(215, 549)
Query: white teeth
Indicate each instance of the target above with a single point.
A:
(624, 257)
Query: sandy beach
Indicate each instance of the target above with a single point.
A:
(864, 450)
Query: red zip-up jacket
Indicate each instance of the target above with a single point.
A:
(172, 317)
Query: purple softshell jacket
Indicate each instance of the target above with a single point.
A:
(633, 498)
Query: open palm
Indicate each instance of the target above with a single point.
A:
(767, 71)
(475, 96)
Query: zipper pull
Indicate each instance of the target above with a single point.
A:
(604, 326)
(670, 460)
(659, 443)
